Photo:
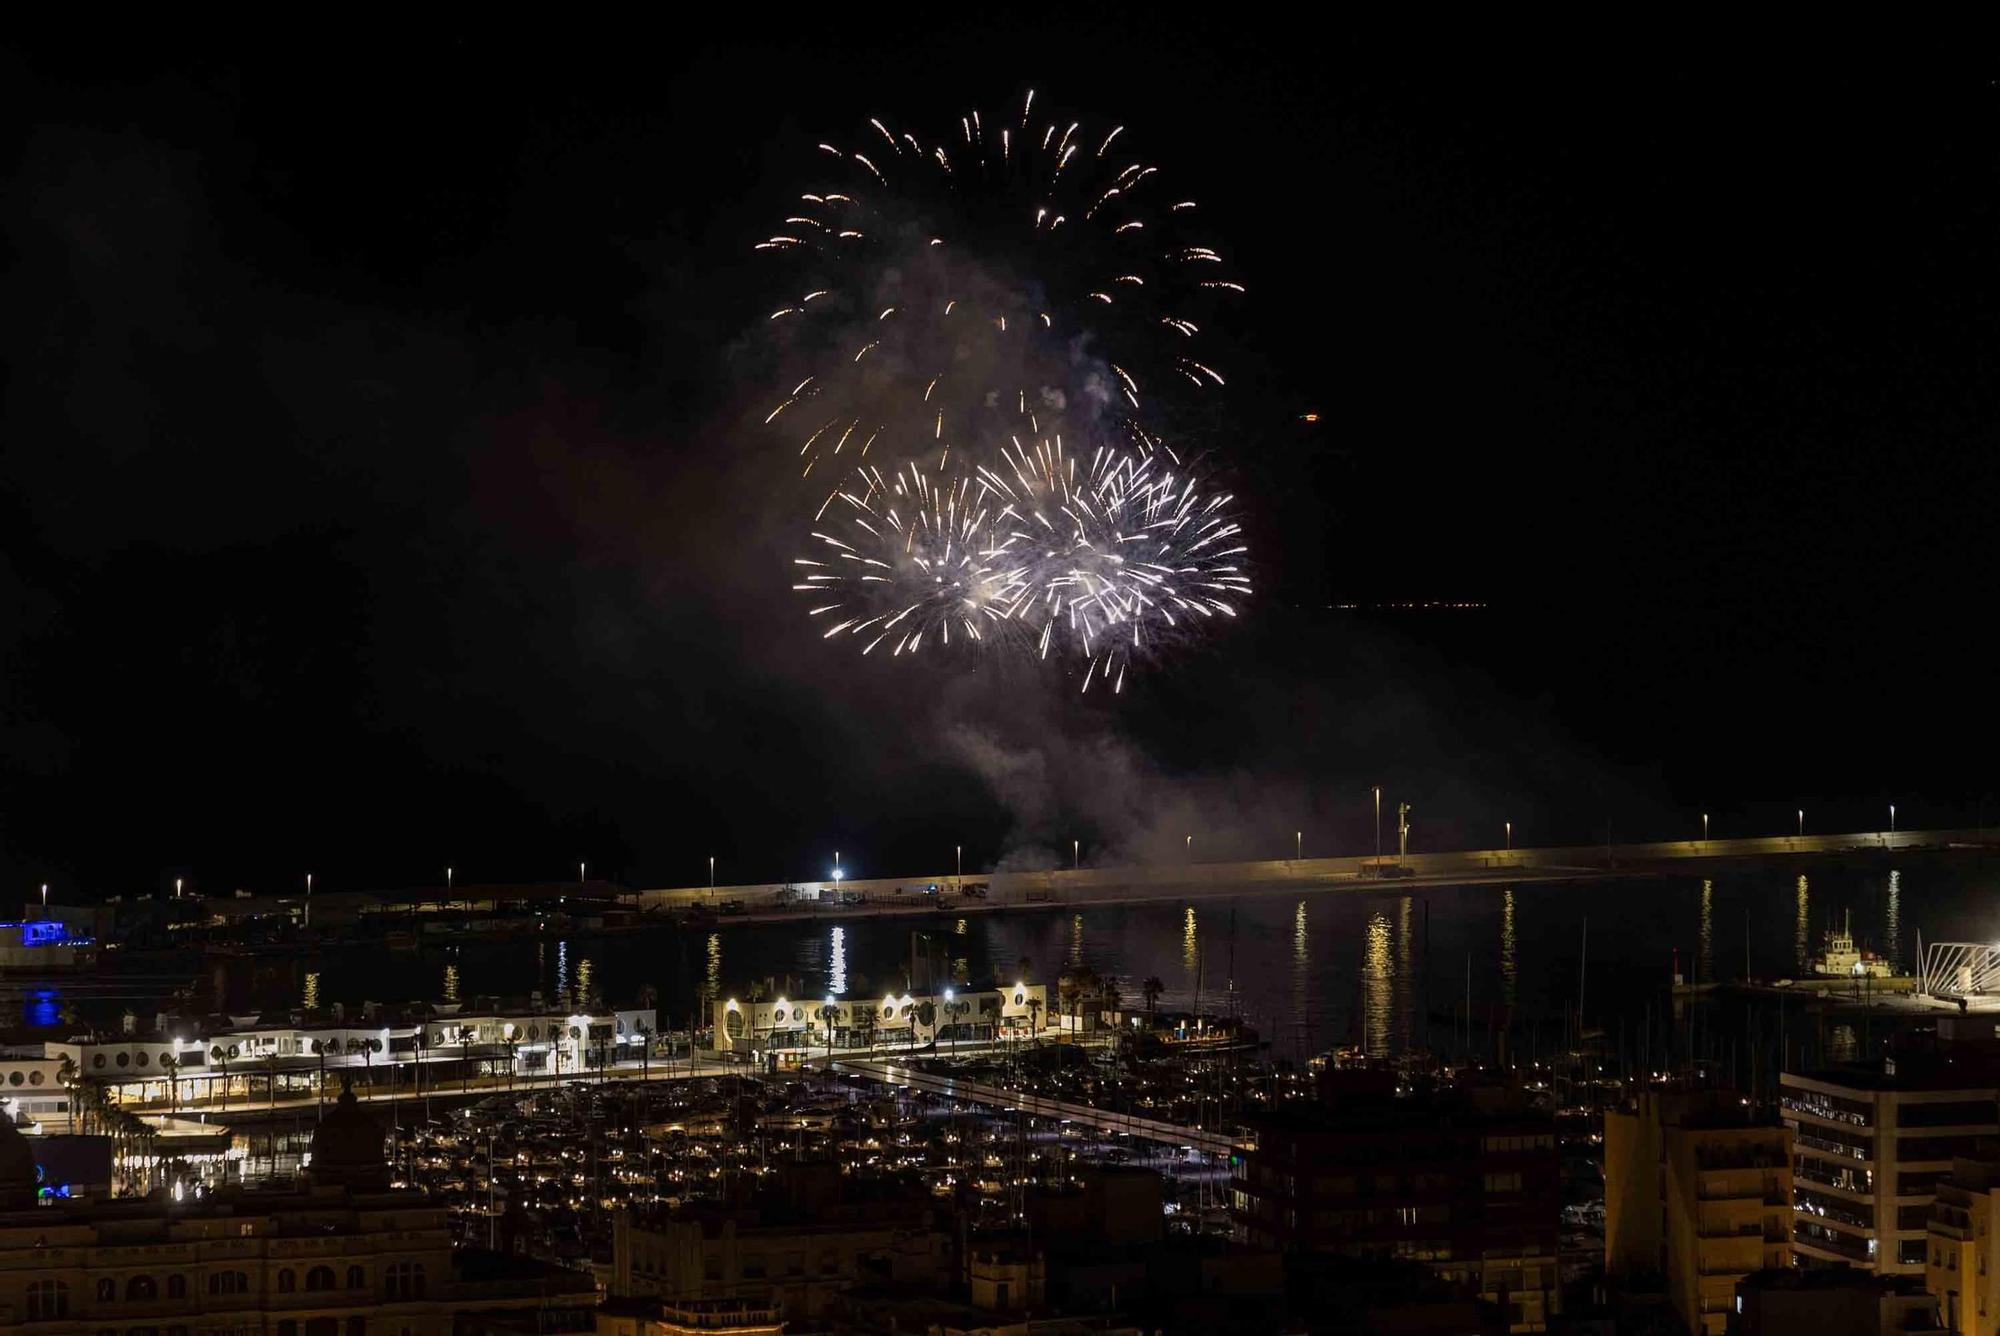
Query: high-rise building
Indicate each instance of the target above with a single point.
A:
(342, 1254)
(1832, 1301)
(1699, 1192)
(1870, 1143)
(1469, 1185)
(1963, 1268)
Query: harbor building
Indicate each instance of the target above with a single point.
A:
(762, 1028)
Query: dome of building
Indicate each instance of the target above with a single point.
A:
(347, 1147)
(19, 1177)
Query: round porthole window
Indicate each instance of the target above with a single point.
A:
(97, 1059)
(144, 1058)
(124, 1059)
(1020, 998)
(34, 1078)
(15, 1078)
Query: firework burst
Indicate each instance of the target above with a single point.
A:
(966, 305)
(1101, 564)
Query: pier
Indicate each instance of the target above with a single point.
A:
(1090, 886)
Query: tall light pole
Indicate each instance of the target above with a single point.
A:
(45, 895)
(1510, 837)
(1892, 818)
(960, 875)
(177, 888)
(447, 880)
(1802, 823)
(309, 900)
(579, 873)
(1298, 846)
(1190, 848)
(1704, 828)
(1378, 823)
(1075, 855)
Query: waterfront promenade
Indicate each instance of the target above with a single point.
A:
(1083, 886)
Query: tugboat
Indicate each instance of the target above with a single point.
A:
(1841, 959)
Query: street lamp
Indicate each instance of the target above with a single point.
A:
(177, 888)
(45, 895)
(1298, 845)
(309, 899)
(1378, 823)
(960, 876)
(1075, 855)
(579, 873)
(447, 880)
(1892, 818)
(1802, 822)
(1190, 848)
(1704, 828)
(711, 872)
(1510, 837)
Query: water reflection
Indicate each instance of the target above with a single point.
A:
(584, 976)
(44, 1006)
(1404, 973)
(1801, 947)
(1378, 984)
(711, 979)
(1705, 940)
(562, 969)
(450, 983)
(310, 999)
(1190, 948)
(1301, 975)
(1076, 939)
(836, 979)
(1509, 971)
(1892, 925)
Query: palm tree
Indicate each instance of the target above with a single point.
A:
(645, 1033)
(1035, 1018)
(829, 1013)
(464, 1052)
(173, 1069)
(953, 1010)
(1152, 988)
(72, 1081)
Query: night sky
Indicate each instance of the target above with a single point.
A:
(380, 423)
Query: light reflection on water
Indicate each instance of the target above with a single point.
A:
(1801, 944)
(1378, 977)
(1892, 923)
(1509, 969)
(836, 976)
(1705, 955)
(1301, 982)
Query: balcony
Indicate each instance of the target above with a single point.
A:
(1804, 1177)
(1829, 1147)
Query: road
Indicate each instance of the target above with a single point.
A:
(1014, 891)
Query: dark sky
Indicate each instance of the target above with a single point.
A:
(377, 423)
